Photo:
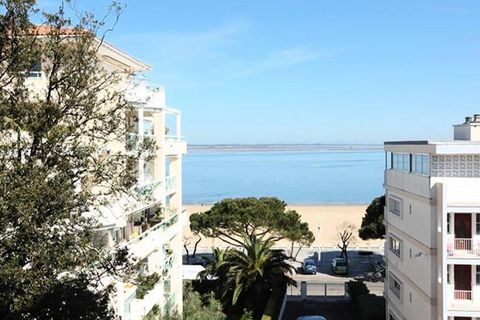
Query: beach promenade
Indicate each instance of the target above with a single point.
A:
(327, 217)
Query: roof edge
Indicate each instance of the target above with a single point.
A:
(407, 142)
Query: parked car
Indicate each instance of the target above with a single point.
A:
(339, 266)
(309, 266)
(311, 318)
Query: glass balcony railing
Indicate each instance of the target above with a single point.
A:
(162, 226)
(174, 138)
(170, 184)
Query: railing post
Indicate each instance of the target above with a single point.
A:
(325, 292)
(303, 290)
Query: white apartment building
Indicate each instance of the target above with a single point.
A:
(432, 219)
(149, 224)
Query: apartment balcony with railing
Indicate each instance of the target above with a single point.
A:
(146, 241)
(463, 236)
(463, 289)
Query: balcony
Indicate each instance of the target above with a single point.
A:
(153, 238)
(140, 307)
(170, 184)
(175, 145)
(149, 191)
(463, 242)
(463, 293)
(463, 247)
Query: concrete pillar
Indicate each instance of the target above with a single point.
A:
(141, 161)
(159, 132)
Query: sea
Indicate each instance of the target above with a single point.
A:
(297, 174)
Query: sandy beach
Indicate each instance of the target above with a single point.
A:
(327, 217)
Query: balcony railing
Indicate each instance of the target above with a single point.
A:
(168, 264)
(463, 244)
(174, 138)
(459, 246)
(462, 294)
(160, 226)
(170, 184)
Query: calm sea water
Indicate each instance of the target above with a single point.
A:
(300, 177)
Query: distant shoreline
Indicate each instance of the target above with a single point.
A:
(284, 147)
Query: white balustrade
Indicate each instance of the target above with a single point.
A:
(462, 294)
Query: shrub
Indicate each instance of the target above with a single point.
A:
(197, 307)
(356, 288)
(371, 307)
(145, 284)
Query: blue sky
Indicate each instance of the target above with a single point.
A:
(308, 71)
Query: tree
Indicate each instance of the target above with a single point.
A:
(247, 277)
(216, 267)
(188, 240)
(346, 236)
(196, 307)
(300, 235)
(259, 269)
(231, 220)
(372, 223)
(56, 163)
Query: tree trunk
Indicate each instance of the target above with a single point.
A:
(188, 255)
(346, 257)
(195, 247)
(298, 251)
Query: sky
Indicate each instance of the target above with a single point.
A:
(308, 71)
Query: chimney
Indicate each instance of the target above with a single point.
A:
(469, 130)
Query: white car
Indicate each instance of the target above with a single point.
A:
(311, 318)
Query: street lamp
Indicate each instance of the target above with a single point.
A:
(319, 248)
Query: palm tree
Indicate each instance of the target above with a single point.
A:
(258, 269)
(216, 266)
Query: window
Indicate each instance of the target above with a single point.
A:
(395, 286)
(477, 274)
(477, 223)
(448, 222)
(395, 245)
(148, 126)
(35, 71)
(448, 274)
(421, 164)
(401, 161)
(395, 205)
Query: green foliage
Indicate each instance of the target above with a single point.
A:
(153, 314)
(248, 276)
(247, 315)
(233, 219)
(372, 223)
(196, 307)
(145, 284)
(356, 288)
(78, 302)
(52, 142)
(371, 307)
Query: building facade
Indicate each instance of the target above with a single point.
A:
(149, 221)
(432, 219)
